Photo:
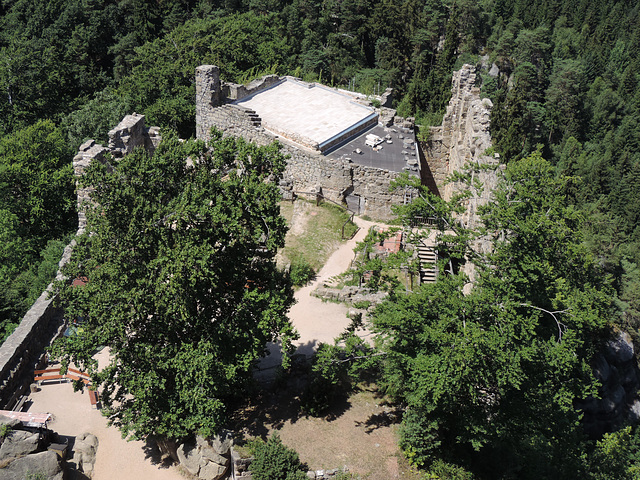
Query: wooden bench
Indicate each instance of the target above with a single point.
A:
(44, 378)
(20, 403)
(72, 374)
(94, 398)
(77, 378)
(54, 374)
(78, 372)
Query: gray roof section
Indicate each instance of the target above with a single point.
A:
(400, 155)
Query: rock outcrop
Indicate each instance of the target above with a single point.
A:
(22, 455)
(617, 370)
(44, 465)
(207, 459)
(85, 449)
(463, 143)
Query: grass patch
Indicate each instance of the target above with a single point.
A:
(314, 232)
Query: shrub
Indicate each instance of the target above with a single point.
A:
(301, 272)
(4, 430)
(446, 471)
(274, 460)
(419, 438)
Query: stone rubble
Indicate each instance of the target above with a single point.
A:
(22, 453)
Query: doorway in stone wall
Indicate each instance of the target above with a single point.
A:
(355, 203)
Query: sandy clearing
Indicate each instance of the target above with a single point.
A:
(116, 458)
(319, 321)
(315, 320)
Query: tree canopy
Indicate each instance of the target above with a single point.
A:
(37, 209)
(181, 283)
(489, 377)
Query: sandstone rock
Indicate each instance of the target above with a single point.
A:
(189, 458)
(213, 471)
(221, 443)
(43, 463)
(620, 349)
(634, 411)
(602, 369)
(11, 422)
(589, 405)
(18, 443)
(89, 438)
(211, 455)
(85, 449)
(613, 400)
(629, 377)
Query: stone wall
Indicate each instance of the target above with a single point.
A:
(307, 170)
(130, 133)
(23, 351)
(350, 295)
(463, 138)
(461, 141)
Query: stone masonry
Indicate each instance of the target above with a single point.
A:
(130, 133)
(306, 170)
(463, 141)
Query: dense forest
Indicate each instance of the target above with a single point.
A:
(566, 89)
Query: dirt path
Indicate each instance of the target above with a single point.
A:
(318, 321)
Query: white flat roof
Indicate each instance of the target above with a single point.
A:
(308, 112)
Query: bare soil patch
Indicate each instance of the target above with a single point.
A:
(359, 434)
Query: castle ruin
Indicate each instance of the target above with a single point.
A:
(323, 132)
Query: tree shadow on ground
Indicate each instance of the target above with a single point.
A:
(278, 398)
(153, 453)
(71, 469)
(391, 414)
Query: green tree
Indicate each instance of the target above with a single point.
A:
(489, 377)
(182, 284)
(36, 183)
(617, 456)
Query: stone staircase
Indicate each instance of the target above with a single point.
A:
(428, 263)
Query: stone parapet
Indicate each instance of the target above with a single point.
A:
(234, 91)
(23, 351)
(130, 134)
